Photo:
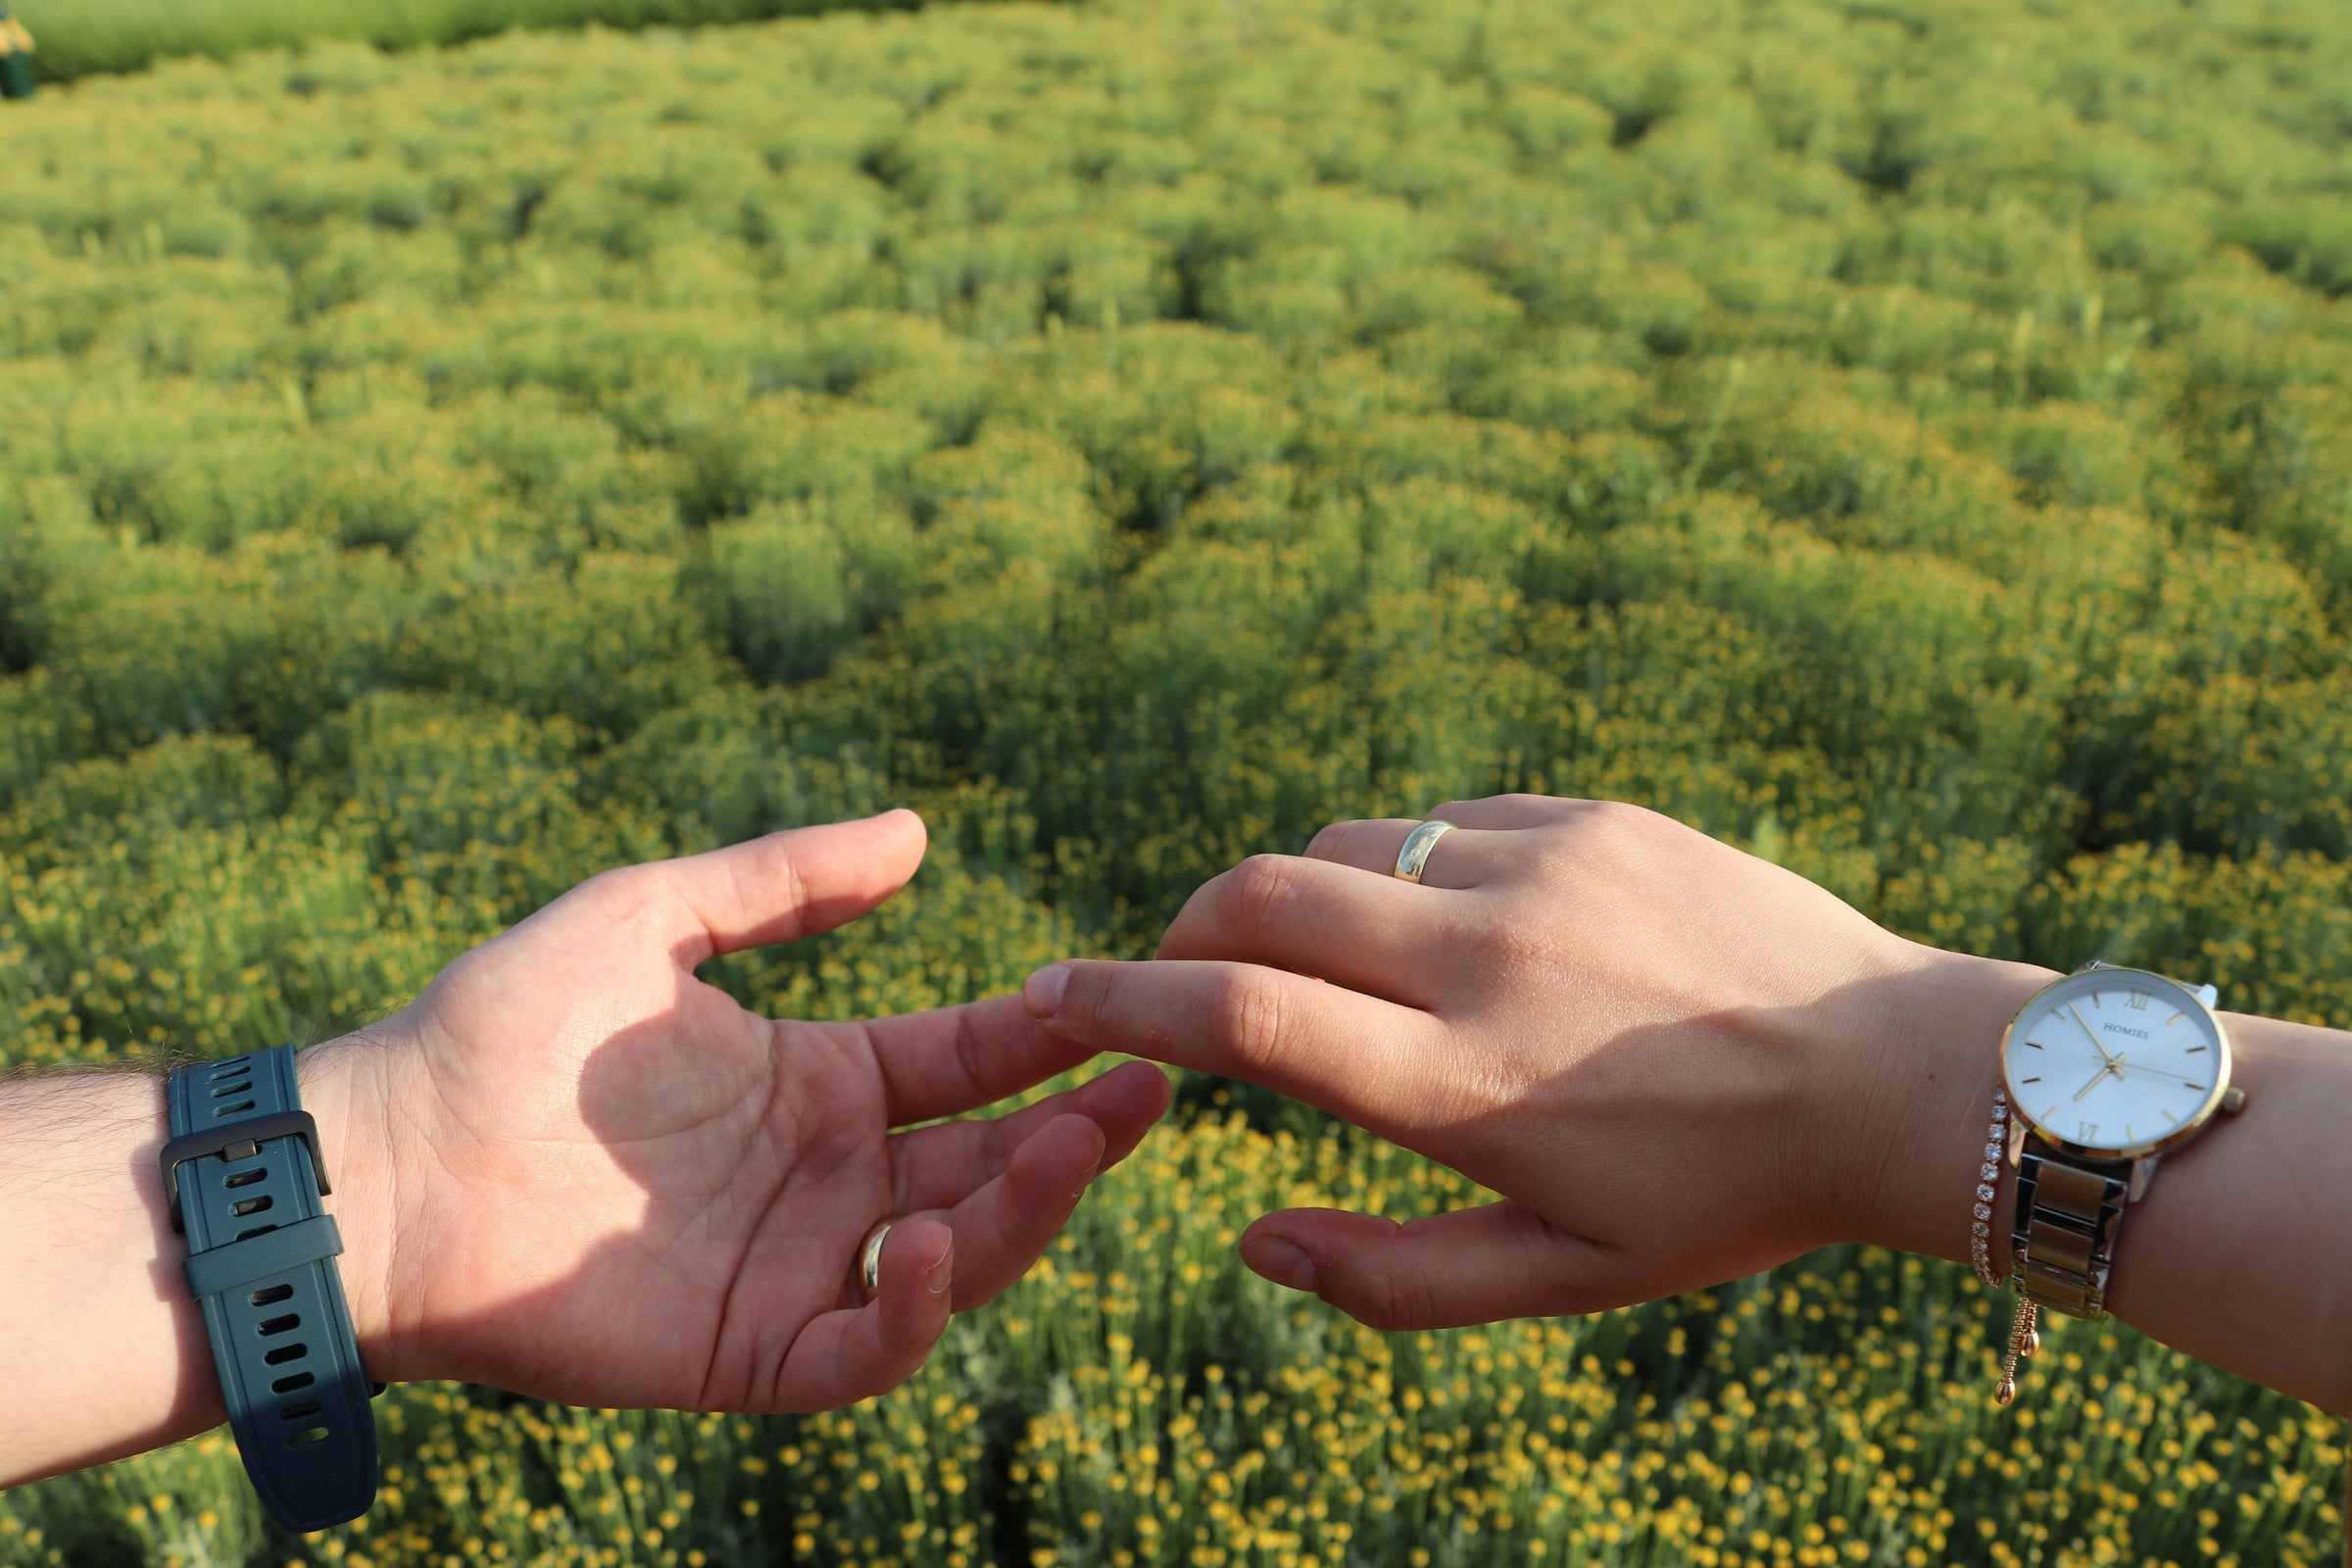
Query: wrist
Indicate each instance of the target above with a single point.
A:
(1910, 1150)
(94, 1258)
(346, 1087)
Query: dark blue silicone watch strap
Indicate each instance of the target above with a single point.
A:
(243, 1176)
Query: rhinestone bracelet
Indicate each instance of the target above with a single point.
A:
(1988, 1175)
(2025, 1336)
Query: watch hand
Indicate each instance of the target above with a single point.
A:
(2095, 1077)
(2105, 1054)
(2137, 1066)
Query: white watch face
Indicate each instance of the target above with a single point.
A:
(2115, 1063)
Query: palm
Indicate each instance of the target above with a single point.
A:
(643, 1193)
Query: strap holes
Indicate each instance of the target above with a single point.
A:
(231, 1110)
(258, 1230)
(293, 1381)
(229, 1066)
(251, 1206)
(286, 1353)
(245, 1178)
(303, 1439)
(271, 1296)
(238, 1088)
(279, 1325)
(295, 1412)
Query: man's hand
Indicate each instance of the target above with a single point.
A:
(600, 1179)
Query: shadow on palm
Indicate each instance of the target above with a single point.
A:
(621, 1188)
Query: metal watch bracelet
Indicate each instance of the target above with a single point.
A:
(2062, 1238)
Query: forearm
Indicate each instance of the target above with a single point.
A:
(102, 1349)
(2240, 1250)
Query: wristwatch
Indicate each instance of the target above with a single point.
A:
(2109, 1070)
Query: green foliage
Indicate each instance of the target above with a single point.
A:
(87, 38)
(1912, 442)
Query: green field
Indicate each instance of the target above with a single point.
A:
(1911, 440)
(87, 38)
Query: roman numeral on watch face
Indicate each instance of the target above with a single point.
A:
(2111, 1071)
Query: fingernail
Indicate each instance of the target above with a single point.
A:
(939, 1276)
(1282, 1261)
(1088, 1180)
(1043, 993)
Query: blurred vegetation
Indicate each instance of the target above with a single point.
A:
(1912, 442)
(90, 37)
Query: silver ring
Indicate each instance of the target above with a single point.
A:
(869, 1259)
(1413, 858)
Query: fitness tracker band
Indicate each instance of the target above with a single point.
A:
(243, 1177)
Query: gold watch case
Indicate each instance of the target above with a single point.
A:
(2223, 1098)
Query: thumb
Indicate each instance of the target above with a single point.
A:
(778, 888)
(1473, 1265)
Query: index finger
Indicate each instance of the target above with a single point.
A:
(949, 1060)
(1392, 1069)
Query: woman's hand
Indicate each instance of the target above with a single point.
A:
(1679, 1063)
(572, 1169)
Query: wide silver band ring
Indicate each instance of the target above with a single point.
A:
(870, 1260)
(1413, 858)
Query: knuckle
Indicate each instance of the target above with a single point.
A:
(1513, 950)
(624, 894)
(1248, 1016)
(1106, 1006)
(1604, 832)
(1257, 892)
(970, 1057)
(1619, 818)
(790, 879)
(1472, 1094)
(1331, 841)
(1525, 801)
(1196, 923)
(614, 883)
(996, 1146)
(1084, 996)
(1395, 1299)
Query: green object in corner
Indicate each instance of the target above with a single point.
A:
(15, 58)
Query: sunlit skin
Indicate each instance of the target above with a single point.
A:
(571, 1169)
(1680, 1064)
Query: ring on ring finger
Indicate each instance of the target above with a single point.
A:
(870, 1260)
(1413, 858)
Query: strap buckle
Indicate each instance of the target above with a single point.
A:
(239, 1140)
